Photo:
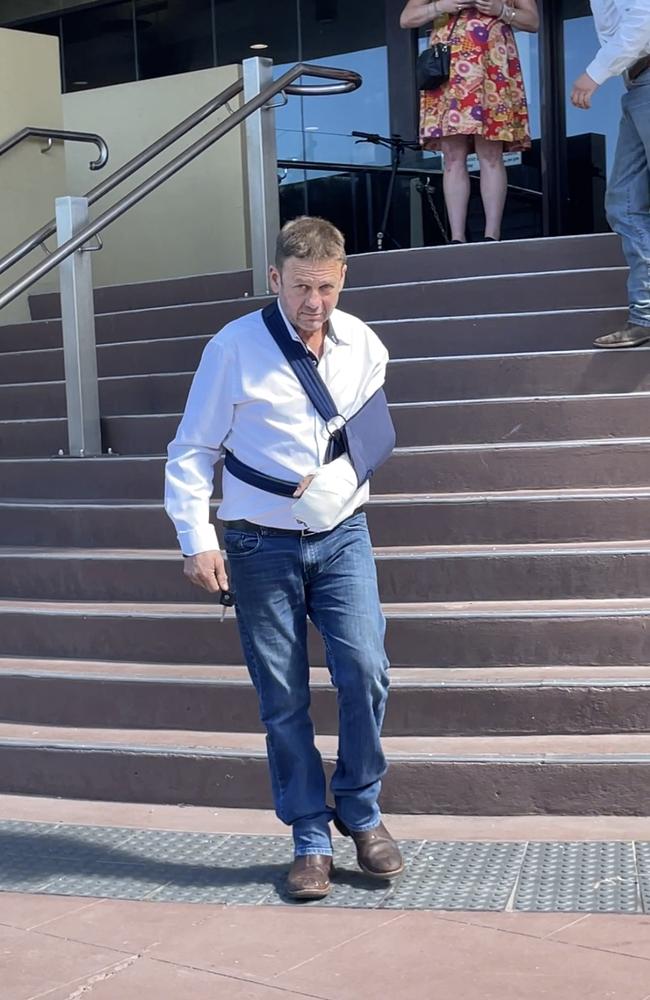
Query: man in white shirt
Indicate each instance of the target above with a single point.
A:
(623, 27)
(246, 401)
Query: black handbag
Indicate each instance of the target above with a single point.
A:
(434, 64)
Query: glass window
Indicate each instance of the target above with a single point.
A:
(45, 26)
(173, 37)
(347, 36)
(591, 135)
(269, 24)
(580, 46)
(99, 47)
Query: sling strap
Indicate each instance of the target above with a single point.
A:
(368, 436)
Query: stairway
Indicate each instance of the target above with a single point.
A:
(511, 534)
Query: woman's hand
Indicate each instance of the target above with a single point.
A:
(454, 6)
(492, 8)
(417, 13)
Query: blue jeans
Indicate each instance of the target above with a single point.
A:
(628, 194)
(280, 581)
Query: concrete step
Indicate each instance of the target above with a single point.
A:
(32, 811)
(464, 469)
(525, 516)
(420, 380)
(442, 336)
(423, 702)
(406, 574)
(510, 257)
(417, 424)
(488, 776)
(489, 633)
(602, 288)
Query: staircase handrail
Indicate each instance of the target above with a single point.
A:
(348, 82)
(64, 135)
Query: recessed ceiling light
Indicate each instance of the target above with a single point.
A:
(312, 128)
(259, 45)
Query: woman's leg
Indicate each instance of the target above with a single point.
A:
(494, 184)
(455, 149)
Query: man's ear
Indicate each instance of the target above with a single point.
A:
(275, 279)
(344, 271)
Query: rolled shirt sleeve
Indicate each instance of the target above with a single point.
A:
(620, 49)
(197, 447)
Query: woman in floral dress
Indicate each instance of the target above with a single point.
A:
(482, 107)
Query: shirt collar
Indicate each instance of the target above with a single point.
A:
(335, 328)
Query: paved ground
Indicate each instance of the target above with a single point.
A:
(70, 948)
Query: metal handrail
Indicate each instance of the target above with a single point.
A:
(65, 135)
(349, 81)
(126, 170)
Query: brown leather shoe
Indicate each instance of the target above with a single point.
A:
(632, 335)
(377, 853)
(309, 876)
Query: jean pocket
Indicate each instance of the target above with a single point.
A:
(241, 543)
(355, 522)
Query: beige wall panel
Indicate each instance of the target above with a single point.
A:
(194, 223)
(30, 94)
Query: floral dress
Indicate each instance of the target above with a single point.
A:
(485, 92)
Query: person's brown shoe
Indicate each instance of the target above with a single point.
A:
(377, 853)
(309, 876)
(632, 335)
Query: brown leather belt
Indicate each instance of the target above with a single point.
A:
(637, 68)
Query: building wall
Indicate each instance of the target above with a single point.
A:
(30, 94)
(196, 222)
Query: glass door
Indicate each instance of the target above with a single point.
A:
(590, 135)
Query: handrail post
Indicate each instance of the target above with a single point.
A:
(261, 174)
(78, 320)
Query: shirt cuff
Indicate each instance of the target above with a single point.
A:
(196, 540)
(599, 71)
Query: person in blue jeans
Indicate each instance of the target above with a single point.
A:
(245, 401)
(623, 27)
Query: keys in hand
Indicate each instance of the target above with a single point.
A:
(226, 599)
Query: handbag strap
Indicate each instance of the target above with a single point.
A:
(453, 26)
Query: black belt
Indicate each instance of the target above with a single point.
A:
(639, 67)
(262, 529)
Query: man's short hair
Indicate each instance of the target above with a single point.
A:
(309, 238)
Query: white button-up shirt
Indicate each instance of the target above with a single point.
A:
(246, 398)
(623, 27)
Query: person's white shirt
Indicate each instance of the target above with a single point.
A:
(623, 27)
(246, 398)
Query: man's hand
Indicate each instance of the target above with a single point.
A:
(302, 485)
(207, 570)
(583, 90)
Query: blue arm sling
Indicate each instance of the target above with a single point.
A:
(368, 436)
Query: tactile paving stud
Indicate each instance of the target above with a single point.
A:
(458, 876)
(643, 872)
(117, 862)
(592, 877)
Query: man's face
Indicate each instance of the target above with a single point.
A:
(308, 291)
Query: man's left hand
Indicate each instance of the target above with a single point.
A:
(302, 485)
(583, 90)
